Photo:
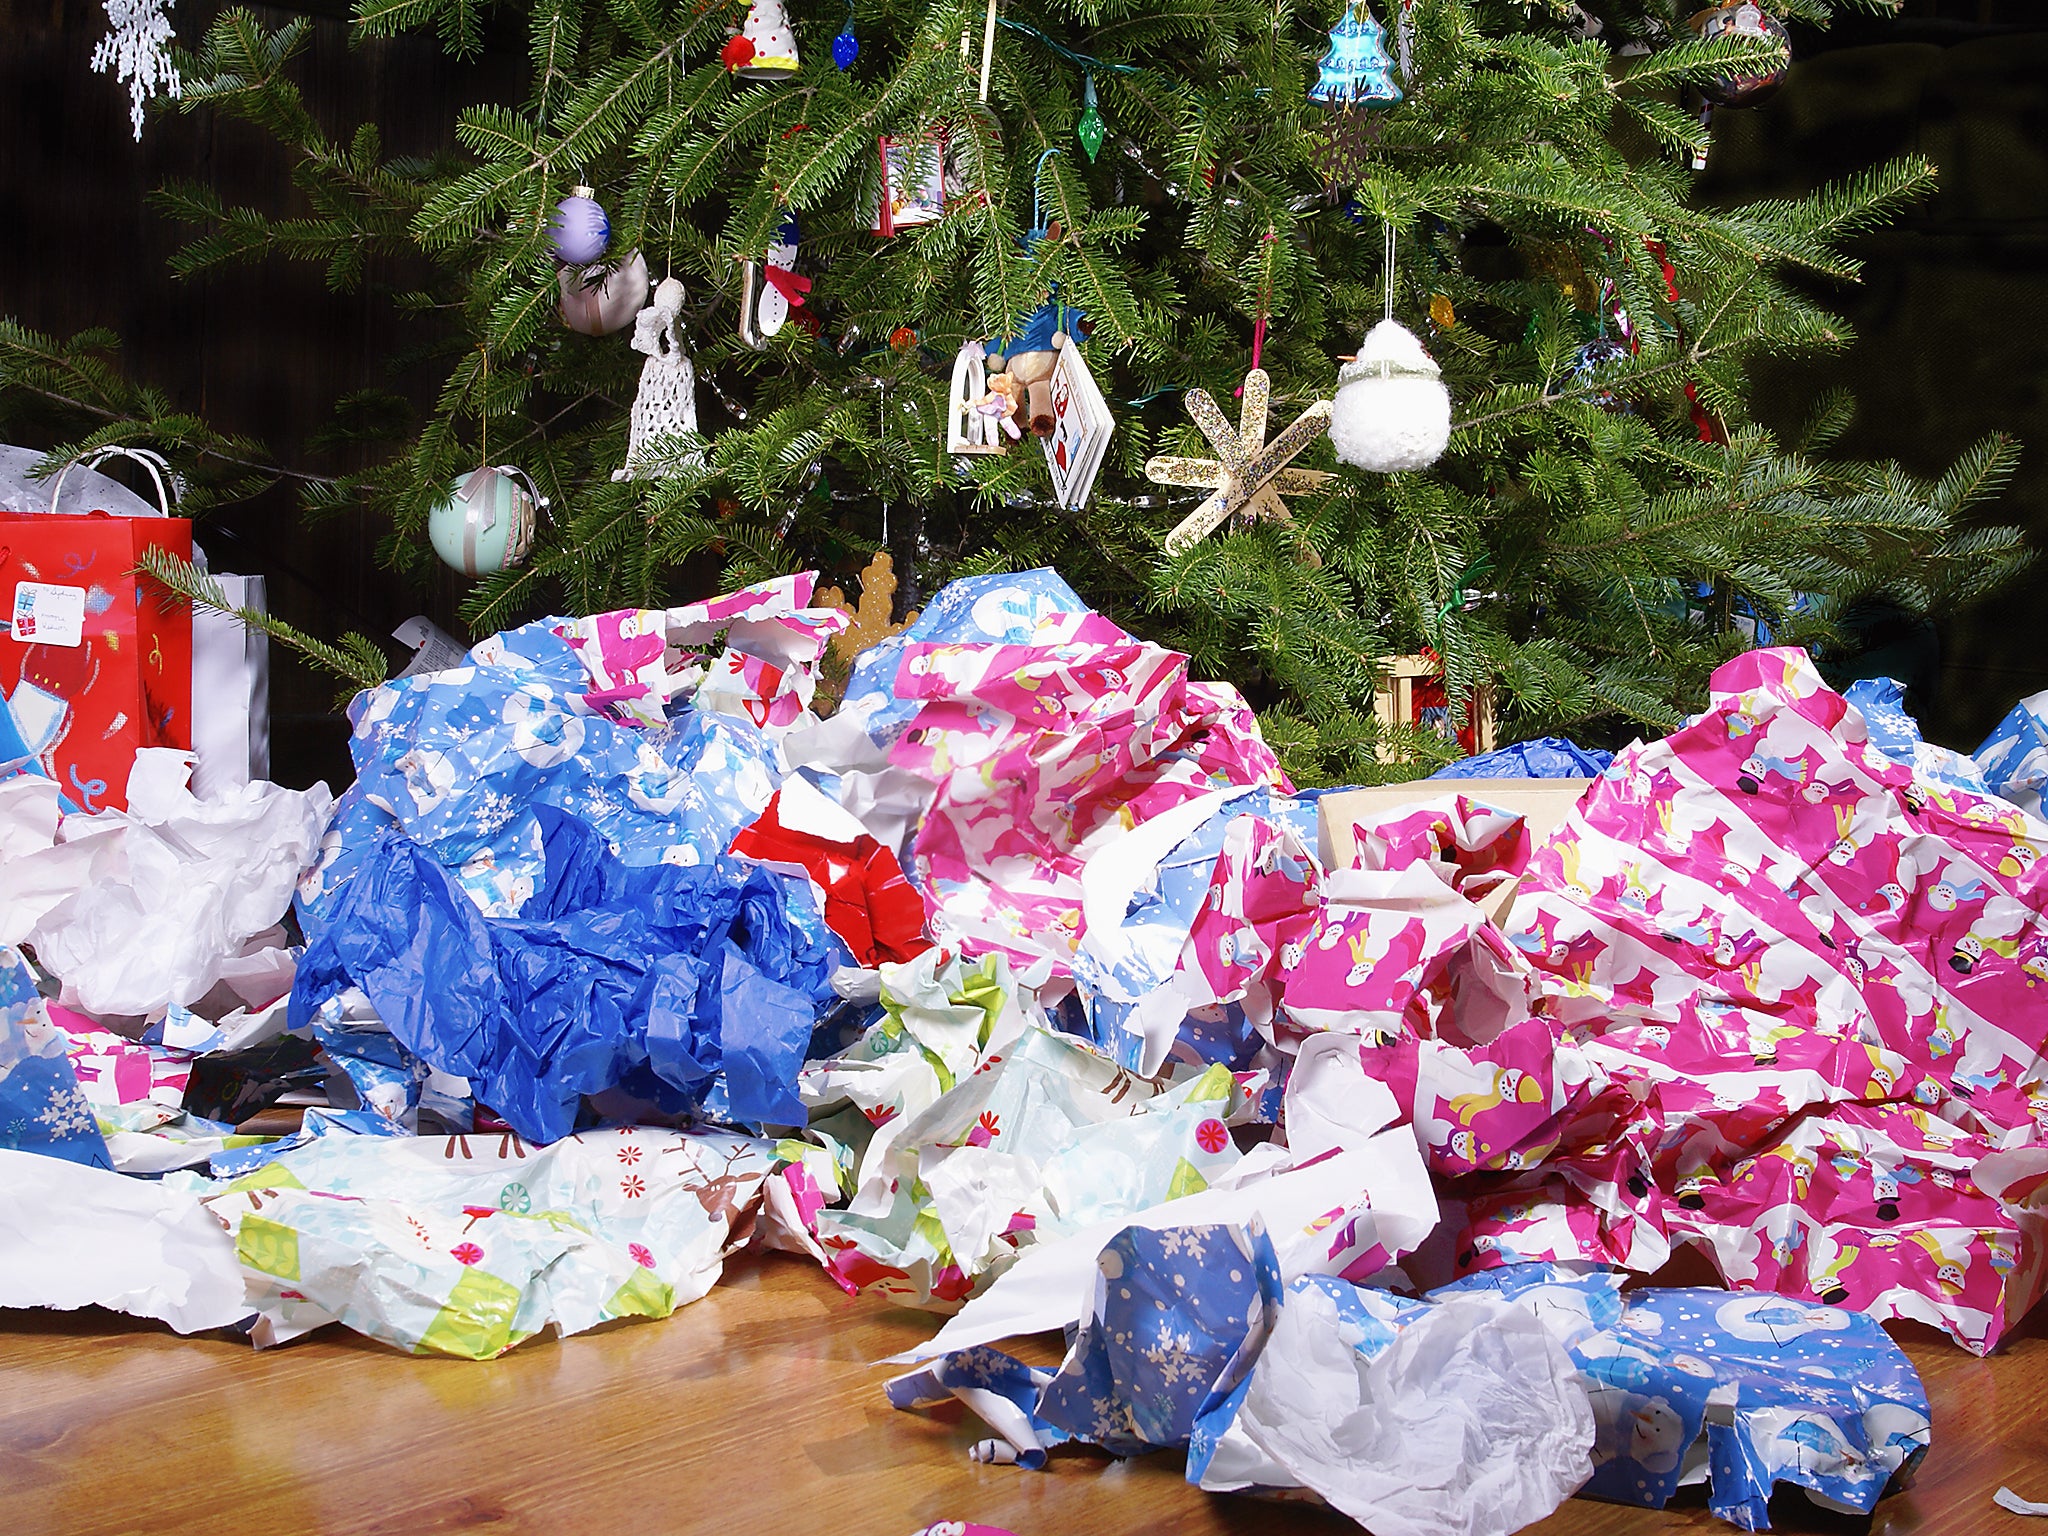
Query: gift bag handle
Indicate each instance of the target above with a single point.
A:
(165, 478)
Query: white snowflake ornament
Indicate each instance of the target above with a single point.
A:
(137, 48)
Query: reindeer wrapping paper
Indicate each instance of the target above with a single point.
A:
(468, 1245)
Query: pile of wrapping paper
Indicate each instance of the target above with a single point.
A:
(1016, 988)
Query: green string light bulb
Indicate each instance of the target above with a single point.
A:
(1090, 130)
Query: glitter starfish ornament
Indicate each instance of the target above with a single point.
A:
(1248, 475)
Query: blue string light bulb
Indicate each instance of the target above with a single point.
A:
(1356, 71)
(846, 47)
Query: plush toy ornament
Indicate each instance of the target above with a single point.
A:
(1392, 411)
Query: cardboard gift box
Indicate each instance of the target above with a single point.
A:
(96, 659)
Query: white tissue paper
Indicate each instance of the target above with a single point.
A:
(73, 1236)
(139, 910)
(1472, 1422)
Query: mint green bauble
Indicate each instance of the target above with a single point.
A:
(487, 522)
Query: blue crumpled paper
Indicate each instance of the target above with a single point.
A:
(2014, 757)
(1175, 1310)
(1882, 703)
(41, 1107)
(462, 760)
(692, 985)
(1815, 1396)
(1551, 757)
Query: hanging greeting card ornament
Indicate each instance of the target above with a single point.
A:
(597, 301)
(912, 189)
(486, 522)
(1749, 21)
(580, 229)
(980, 410)
(1248, 475)
(1081, 425)
(666, 406)
(764, 48)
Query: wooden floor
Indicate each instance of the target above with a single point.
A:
(755, 1410)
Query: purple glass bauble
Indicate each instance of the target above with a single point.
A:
(580, 229)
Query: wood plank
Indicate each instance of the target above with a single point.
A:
(756, 1409)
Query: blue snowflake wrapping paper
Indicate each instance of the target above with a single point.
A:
(2014, 757)
(1786, 1391)
(1551, 757)
(460, 760)
(1178, 1315)
(1002, 1389)
(1882, 703)
(41, 1107)
(612, 976)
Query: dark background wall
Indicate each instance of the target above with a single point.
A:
(1952, 319)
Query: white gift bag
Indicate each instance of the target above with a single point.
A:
(230, 693)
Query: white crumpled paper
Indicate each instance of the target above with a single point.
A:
(141, 909)
(73, 1236)
(1472, 1422)
(1358, 1197)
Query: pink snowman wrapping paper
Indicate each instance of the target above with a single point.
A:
(1788, 1004)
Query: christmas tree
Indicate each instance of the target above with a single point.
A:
(1175, 191)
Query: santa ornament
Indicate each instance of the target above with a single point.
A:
(764, 48)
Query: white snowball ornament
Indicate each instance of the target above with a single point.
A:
(486, 522)
(1392, 411)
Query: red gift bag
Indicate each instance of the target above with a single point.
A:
(95, 658)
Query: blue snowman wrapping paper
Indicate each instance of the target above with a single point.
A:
(459, 760)
(41, 1107)
(1784, 1391)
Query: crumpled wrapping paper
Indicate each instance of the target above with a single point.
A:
(461, 760)
(1550, 757)
(1788, 1007)
(41, 1107)
(1742, 1392)
(2014, 757)
(696, 984)
(971, 1129)
(141, 909)
(1882, 703)
(469, 1245)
